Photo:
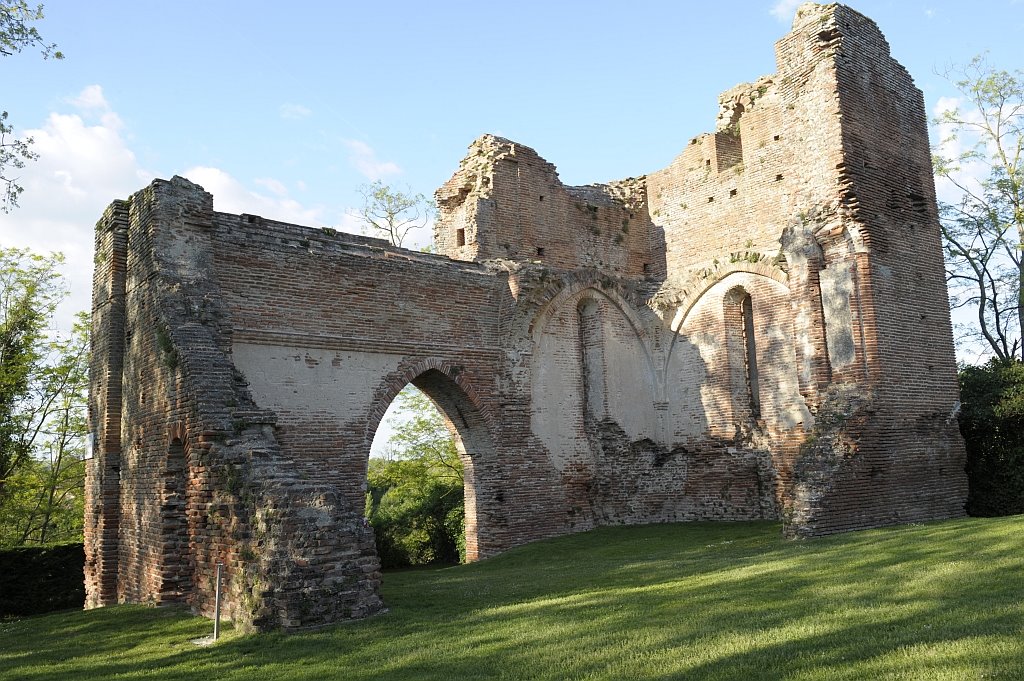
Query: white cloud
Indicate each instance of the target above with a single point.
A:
(352, 223)
(82, 167)
(91, 98)
(418, 237)
(415, 239)
(293, 112)
(364, 159)
(231, 196)
(275, 187)
(783, 10)
(91, 103)
(84, 164)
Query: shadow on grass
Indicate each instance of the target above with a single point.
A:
(707, 601)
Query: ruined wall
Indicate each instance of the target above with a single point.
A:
(888, 265)
(187, 471)
(757, 331)
(507, 202)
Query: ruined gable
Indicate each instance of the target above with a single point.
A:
(758, 330)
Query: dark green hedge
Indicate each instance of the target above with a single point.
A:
(35, 580)
(992, 423)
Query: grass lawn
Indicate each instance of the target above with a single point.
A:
(703, 600)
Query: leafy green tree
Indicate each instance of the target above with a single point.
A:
(392, 212)
(43, 384)
(983, 230)
(414, 497)
(16, 34)
(992, 423)
(30, 289)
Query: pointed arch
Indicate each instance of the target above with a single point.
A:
(420, 371)
(574, 292)
(469, 421)
(692, 295)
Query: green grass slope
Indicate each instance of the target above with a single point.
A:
(702, 601)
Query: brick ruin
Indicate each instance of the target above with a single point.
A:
(759, 330)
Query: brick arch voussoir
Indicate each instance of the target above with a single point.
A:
(176, 430)
(697, 288)
(407, 372)
(575, 283)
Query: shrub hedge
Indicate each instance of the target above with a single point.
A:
(992, 423)
(38, 579)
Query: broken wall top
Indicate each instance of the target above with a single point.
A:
(777, 152)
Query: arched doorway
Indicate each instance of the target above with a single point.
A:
(414, 485)
(432, 398)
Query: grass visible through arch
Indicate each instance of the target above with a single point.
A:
(701, 600)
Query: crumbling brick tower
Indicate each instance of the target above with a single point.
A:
(759, 330)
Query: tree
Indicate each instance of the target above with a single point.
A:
(992, 423)
(392, 212)
(30, 289)
(980, 156)
(43, 383)
(16, 34)
(414, 497)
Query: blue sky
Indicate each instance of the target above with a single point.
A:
(284, 110)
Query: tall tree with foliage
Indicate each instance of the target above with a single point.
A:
(43, 383)
(30, 289)
(16, 34)
(392, 212)
(414, 497)
(983, 229)
(45, 500)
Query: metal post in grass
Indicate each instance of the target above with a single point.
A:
(216, 605)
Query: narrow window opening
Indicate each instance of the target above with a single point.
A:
(732, 193)
(592, 360)
(460, 237)
(540, 251)
(711, 199)
(707, 163)
(647, 268)
(777, 138)
(542, 198)
(753, 389)
(778, 178)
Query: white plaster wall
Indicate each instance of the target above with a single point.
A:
(557, 383)
(686, 377)
(836, 282)
(697, 404)
(629, 377)
(556, 386)
(293, 380)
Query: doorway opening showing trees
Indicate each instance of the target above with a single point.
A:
(420, 496)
